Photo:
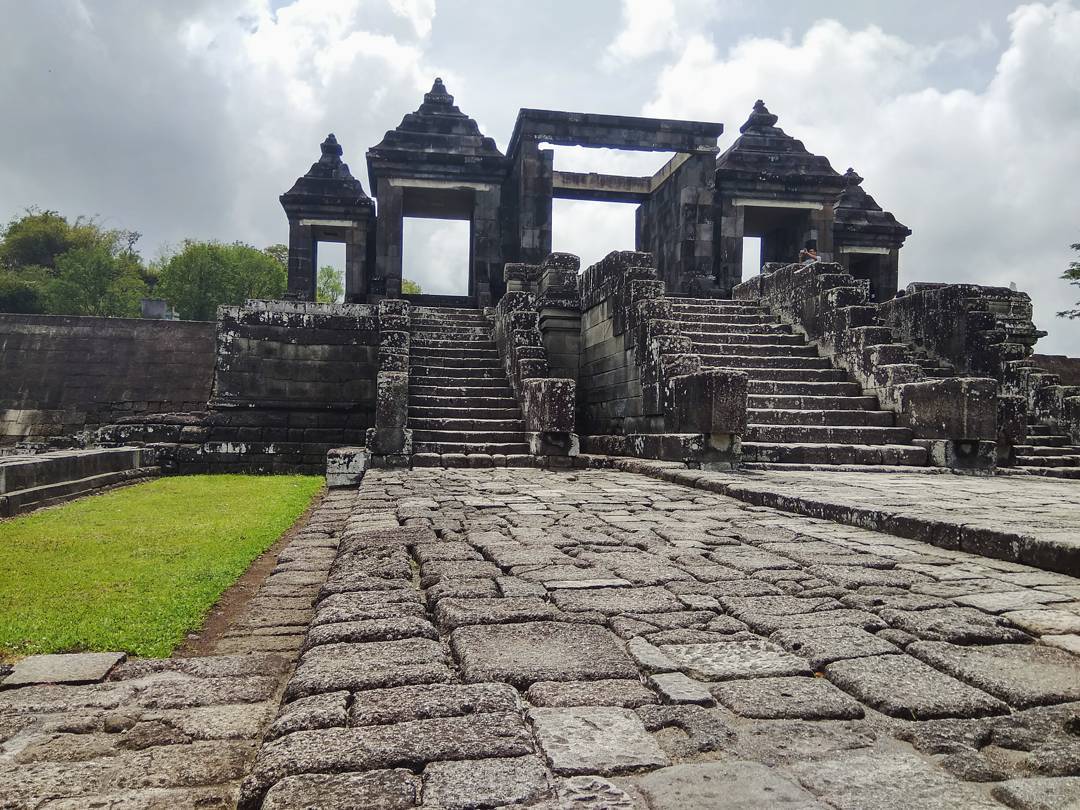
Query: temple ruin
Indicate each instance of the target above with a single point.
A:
(663, 351)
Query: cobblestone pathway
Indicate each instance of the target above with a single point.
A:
(598, 639)
(169, 733)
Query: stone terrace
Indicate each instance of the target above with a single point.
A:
(588, 639)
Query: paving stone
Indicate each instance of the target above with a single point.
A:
(786, 742)
(848, 576)
(446, 550)
(564, 573)
(414, 743)
(703, 729)
(729, 785)
(370, 630)
(70, 668)
(1039, 793)
(452, 613)
(628, 694)
(787, 699)
(357, 607)
(767, 623)
(317, 711)
(462, 589)
(404, 703)
(435, 571)
(749, 559)
(823, 645)
(962, 625)
(379, 664)
(900, 686)
(1069, 643)
(568, 584)
(617, 600)
(889, 781)
(748, 658)
(601, 740)
(650, 657)
(1043, 622)
(522, 654)
(674, 687)
(718, 631)
(385, 789)
(512, 587)
(894, 601)
(777, 605)
(592, 793)
(485, 783)
(1023, 675)
(1004, 601)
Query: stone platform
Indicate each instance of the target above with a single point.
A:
(588, 639)
(1024, 519)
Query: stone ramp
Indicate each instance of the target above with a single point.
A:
(590, 639)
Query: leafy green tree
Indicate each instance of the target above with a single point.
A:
(410, 287)
(330, 286)
(20, 294)
(279, 252)
(206, 275)
(1072, 275)
(92, 281)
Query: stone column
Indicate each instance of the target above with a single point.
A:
(301, 271)
(356, 269)
(730, 223)
(388, 236)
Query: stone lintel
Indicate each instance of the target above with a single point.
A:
(755, 202)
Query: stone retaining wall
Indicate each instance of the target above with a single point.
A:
(64, 374)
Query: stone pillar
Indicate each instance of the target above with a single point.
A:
(356, 266)
(534, 202)
(485, 250)
(730, 222)
(558, 304)
(301, 271)
(388, 236)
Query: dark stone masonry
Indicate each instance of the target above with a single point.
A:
(644, 535)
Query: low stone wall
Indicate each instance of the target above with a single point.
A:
(1066, 368)
(62, 375)
(32, 481)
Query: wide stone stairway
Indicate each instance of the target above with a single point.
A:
(1049, 452)
(460, 401)
(801, 410)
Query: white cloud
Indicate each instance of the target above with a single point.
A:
(984, 178)
(650, 27)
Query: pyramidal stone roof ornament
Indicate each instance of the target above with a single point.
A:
(765, 159)
(437, 141)
(859, 218)
(328, 183)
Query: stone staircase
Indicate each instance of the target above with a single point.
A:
(461, 408)
(800, 409)
(1048, 452)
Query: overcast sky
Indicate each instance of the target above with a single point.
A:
(188, 119)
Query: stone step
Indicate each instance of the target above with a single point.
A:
(426, 310)
(763, 387)
(744, 361)
(755, 350)
(833, 454)
(476, 437)
(709, 328)
(441, 383)
(469, 334)
(468, 361)
(743, 338)
(1047, 461)
(811, 402)
(725, 319)
(480, 400)
(1051, 472)
(1038, 450)
(1043, 430)
(489, 448)
(851, 418)
(467, 372)
(479, 348)
(820, 375)
(826, 434)
(473, 460)
(1049, 440)
(461, 408)
(719, 309)
(458, 424)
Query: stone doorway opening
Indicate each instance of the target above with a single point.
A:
(591, 229)
(436, 255)
(751, 256)
(329, 255)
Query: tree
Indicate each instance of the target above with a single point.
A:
(91, 281)
(206, 275)
(410, 287)
(1072, 275)
(279, 252)
(330, 287)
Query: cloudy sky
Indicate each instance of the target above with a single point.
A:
(188, 119)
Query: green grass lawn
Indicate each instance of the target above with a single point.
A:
(137, 568)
